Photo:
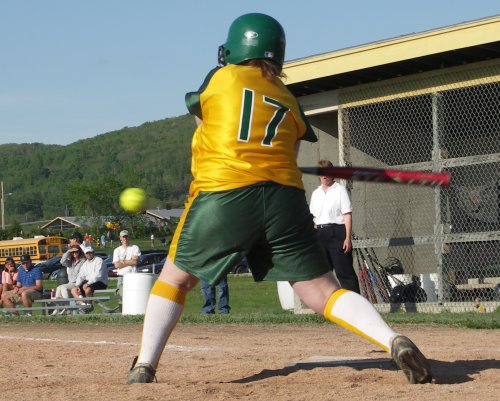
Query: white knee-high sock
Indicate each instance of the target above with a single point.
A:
(165, 305)
(355, 313)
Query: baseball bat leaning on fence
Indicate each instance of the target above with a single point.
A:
(370, 252)
(383, 270)
(380, 276)
(373, 280)
(382, 175)
(383, 291)
(383, 286)
(365, 280)
(362, 283)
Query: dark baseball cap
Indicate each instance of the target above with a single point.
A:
(78, 236)
(25, 258)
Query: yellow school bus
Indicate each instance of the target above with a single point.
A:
(39, 248)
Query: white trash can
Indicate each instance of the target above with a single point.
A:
(136, 289)
(286, 295)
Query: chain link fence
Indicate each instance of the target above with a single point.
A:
(418, 246)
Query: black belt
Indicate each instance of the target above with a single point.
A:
(326, 225)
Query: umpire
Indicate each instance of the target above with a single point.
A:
(332, 210)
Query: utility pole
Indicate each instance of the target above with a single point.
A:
(2, 204)
(2, 207)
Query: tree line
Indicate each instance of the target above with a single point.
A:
(86, 177)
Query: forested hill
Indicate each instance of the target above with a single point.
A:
(155, 156)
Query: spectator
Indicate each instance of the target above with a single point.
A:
(9, 277)
(73, 259)
(88, 240)
(93, 275)
(125, 258)
(28, 288)
(208, 292)
(76, 238)
(103, 241)
(111, 238)
(152, 240)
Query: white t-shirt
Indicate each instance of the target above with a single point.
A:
(121, 254)
(330, 206)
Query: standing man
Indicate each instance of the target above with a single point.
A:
(111, 238)
(125, 258)
(209, 295)
(28, 287)
(332, 210)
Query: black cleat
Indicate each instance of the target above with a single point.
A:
(141, 373)
(411, 361)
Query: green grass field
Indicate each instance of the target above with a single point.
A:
(258, 303)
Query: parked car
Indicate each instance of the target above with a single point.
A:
(151, 262)
(102, 255)
(156, 267)
(108, 261)
(50, 267)
(241, 267)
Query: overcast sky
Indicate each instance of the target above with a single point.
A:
(76, 69)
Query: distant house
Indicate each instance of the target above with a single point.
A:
(159, 216)
(66, 223)
(156, 216)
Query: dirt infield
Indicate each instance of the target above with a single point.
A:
(62, 362)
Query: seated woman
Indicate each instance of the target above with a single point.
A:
(73, 259)
(9, 277)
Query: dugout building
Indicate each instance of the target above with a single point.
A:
(427, 101)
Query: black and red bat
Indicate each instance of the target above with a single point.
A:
(382, 175)
(376, 280)
(364, 280)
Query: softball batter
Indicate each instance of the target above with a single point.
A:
(247, 199)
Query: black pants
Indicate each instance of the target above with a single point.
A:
(332, 239)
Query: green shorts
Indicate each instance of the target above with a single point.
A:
(269, 223)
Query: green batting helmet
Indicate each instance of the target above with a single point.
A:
(254, 36)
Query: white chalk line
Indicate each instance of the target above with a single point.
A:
(170, 347)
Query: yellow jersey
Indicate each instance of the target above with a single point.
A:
(248, 132)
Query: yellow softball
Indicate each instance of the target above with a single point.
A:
(133, 200)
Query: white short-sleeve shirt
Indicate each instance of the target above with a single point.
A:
(121, 254)
(330, 206)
